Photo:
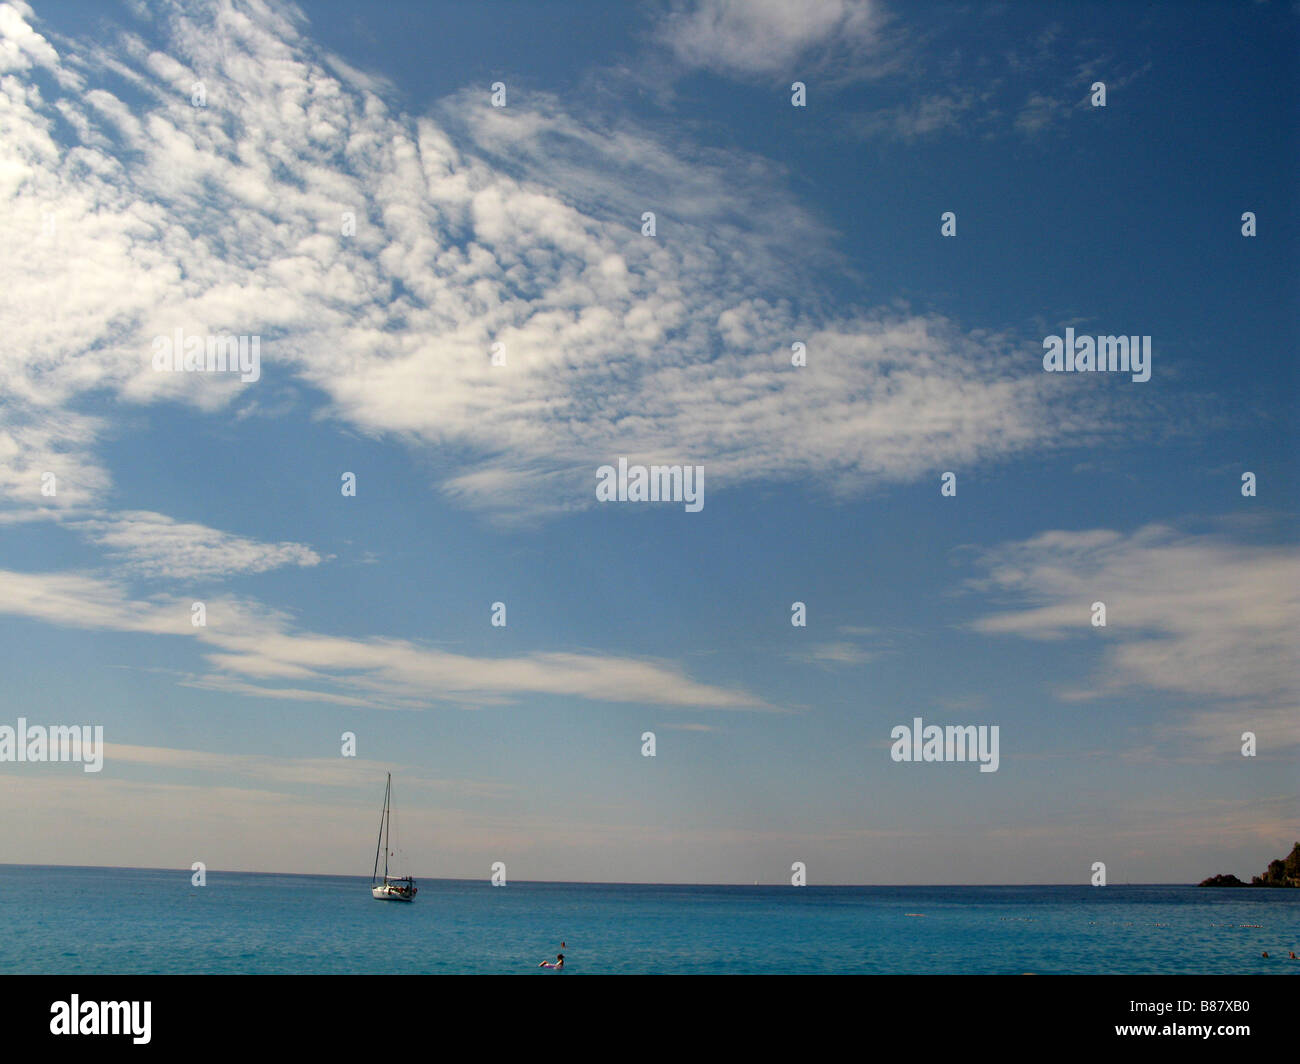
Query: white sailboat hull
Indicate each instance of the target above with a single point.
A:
(390, 888)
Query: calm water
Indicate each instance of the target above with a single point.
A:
(98, 920)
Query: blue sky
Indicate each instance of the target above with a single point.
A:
(133, 213)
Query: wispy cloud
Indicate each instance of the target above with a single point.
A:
(243, 639)
(1194, 614)
(474, 226)
(267, 770)
(923, 117)
(154, 545)
(1039, 112)
(768, 37)
(948, 88)
(841, 653)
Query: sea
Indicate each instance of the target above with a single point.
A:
(110, 921)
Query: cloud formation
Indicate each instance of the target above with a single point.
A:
(474, 226)
(153, 545)
(1195, 615)
(255, 651)
(768, 37)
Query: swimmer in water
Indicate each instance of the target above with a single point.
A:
(559, 962)
(1264, 954)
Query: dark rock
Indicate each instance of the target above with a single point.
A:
(1221, 881)
(1284, 872)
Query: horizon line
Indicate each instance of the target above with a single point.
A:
(562, 882)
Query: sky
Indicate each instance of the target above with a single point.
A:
(432, 221)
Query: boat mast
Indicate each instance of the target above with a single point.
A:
(388, 820)
(383, 817)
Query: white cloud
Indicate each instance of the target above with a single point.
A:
(840, 653)
(474, 225)
(154, 545)
(1039, 112)
(243, 639)
(920, 117)
(21, 47)
(1192, 614)
(44, 450)
(80, 600)
(768, 37)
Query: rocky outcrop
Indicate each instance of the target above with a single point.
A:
(1284, 872)
(1226, 880)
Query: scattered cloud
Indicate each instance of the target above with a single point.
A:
(267, 770)
(474, 226)
(946, 88)
(153, 545)
(768, 37)
(915, 119)
(834, 654)
(1039, 112)
(244, 640)
(1192, 614)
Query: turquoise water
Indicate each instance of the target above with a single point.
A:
(112, 921)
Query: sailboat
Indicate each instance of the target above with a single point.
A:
(393, 888)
